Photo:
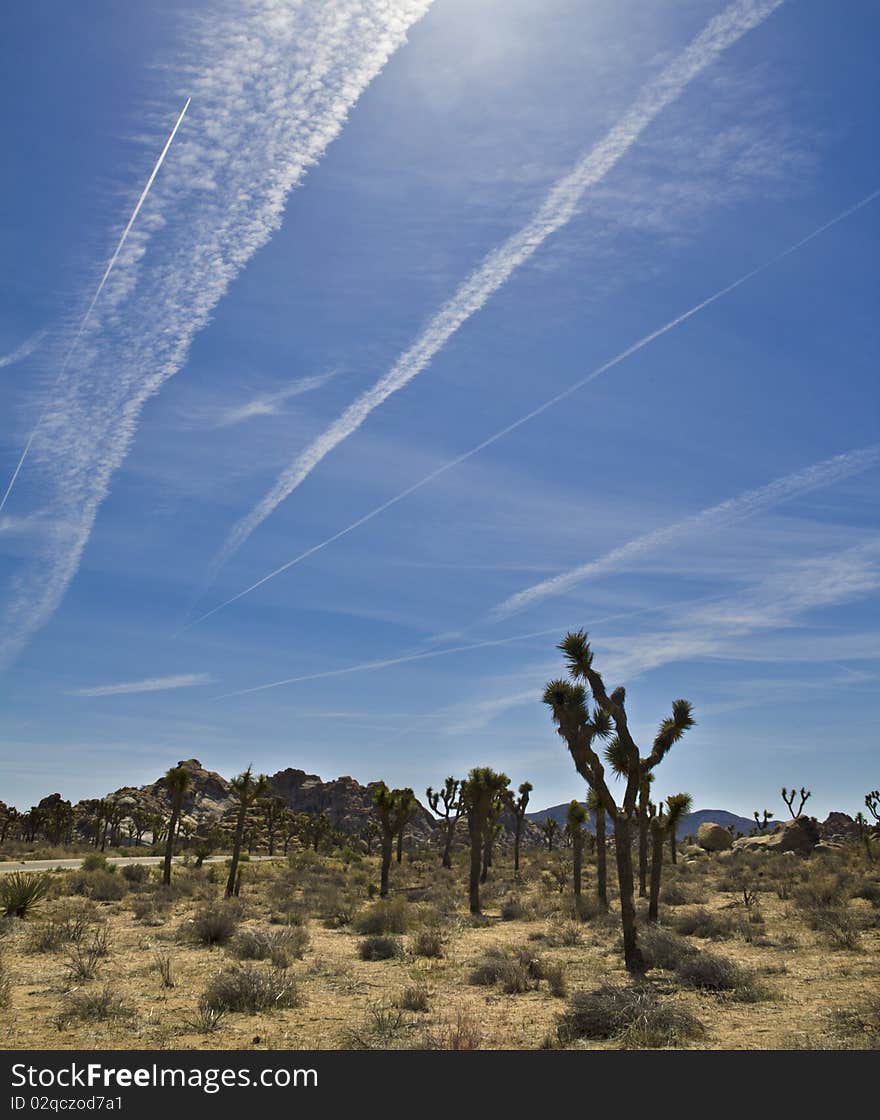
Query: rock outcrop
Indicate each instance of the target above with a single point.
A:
(711, 837)
(800, 835)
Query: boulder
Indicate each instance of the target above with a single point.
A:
(800, 835)
(713, 837)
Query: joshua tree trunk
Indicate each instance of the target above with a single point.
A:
(476, 833)
(387, 851)
(601, 860)
(236, 850)
(577, 860)
(672, 851)
(643, 851)
(656, 873)
(169, 843)
(632, 955)
(447, 847)
(400, 846)
(517, 836)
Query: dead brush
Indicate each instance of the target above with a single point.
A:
(84, 959)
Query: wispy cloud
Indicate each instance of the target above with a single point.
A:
(557, 210)
(271, 85)
(746, 505)
(151, 684)
(24, 351)
(270, 404)
(551, 402)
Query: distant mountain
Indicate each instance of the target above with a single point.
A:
(688, 826)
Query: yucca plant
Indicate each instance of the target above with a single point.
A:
(21, 893)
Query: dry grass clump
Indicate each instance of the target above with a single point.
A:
(250, 990)
(57, 933)
(711, 925)
(384, 1028)
(516, 970)
(278, 946)
(92, 1007)
(415, 997)
(462, 1032)
(84, 958)
(428, 942)
(664, 949)
(633, 1015)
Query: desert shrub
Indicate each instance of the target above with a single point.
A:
(163, 965)
(707, 924)
(513, 910)
(566, 933)
(54, 934)
(414, 998)
(674, 894)
(840, 928)
(136, 874)
(278, 946)
(554, 974)
(84, 958)
(96, 861)
(21, 893)
(383, 1028)
(461, 1033)
(860, 1025)
(427, 943)
(383, 917)
(822, 892)
(101, 885)
(604, 1012)
(94, 1007)
(515, 970)
(379, 948)
(664, 949)
(661, 1026)
(207, 1020)
(250, 990)
(712, 973)
(869, 890)
(214, 925)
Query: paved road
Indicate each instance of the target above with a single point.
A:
(121, 861)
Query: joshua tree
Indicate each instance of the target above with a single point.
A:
(273, 810)
(392, 807)
(177, 780)
(481, 788)
(580, 727)
(248, 788)
(450, 798)
(407, 807)
(677, 807)
(575, 818)
(369, 833)
(550, 828)
(659, 828)
(788, 798)
(872, 804)
(761, 819)
(595, 806)
(313, 828)
(519, 806)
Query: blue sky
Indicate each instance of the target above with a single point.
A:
(384, 232)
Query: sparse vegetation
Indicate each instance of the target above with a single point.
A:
(249, 990)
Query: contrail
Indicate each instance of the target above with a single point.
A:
(719, 516)
(558, 208)
(644, 341)
(272, 83)
(24, 351)
(91, 306)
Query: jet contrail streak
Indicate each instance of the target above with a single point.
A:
(726, 513)
(24, 351)
(502, 432)
(91, 306)
(499, 265)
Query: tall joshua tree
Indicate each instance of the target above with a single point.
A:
(788, 798)
(677, 808)
(407, 807)
(177, 781)
(575, 817)
(479, 791)
(580, 727)
(392, 808)
(595, 806)
(452, 809)
(248, 788)
(519, 806)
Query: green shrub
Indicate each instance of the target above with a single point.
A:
(96, 861)
(136, 873)
(216, 924)
(101, 885)
(383, 917)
